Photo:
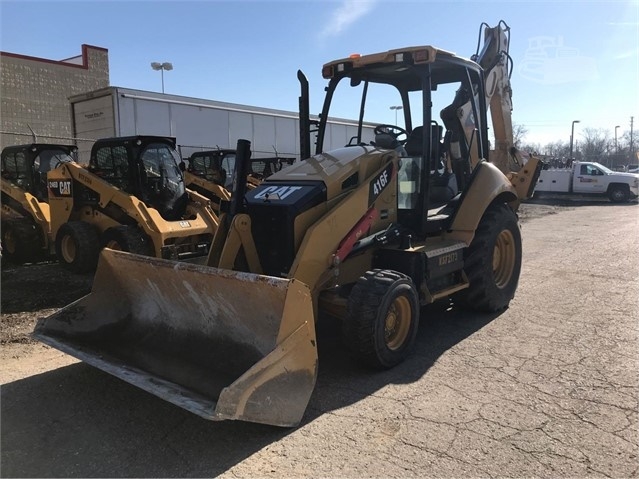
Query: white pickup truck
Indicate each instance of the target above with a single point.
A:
(589, 178)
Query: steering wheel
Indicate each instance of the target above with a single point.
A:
(394, 130)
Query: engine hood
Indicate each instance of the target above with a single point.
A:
(625, 175)
(340, 169)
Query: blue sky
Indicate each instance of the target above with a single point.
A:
(248, 52)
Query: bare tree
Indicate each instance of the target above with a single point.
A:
(519, 133)
(535, 148)
(557, 149)
(595, 144)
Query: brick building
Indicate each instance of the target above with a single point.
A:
(35, 92)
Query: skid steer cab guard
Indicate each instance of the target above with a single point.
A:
(176, 332)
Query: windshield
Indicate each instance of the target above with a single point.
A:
(16, 169)
(164, 189)
(49, 159)
(210, 167)
(607, 171)
(400, 103)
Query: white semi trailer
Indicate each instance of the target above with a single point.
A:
(195, 123)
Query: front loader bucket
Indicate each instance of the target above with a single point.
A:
(219, 343)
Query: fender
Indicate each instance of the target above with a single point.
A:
(487, 184)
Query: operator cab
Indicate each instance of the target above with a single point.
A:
(438, 154)
(26, 166)
(217, 166)
(146, 167)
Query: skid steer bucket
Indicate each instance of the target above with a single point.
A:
(219, 343)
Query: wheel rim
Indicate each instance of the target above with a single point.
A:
(504, 258)
(10, 241)
(617, 195)
(397, 323)
(113, 244)
(68, 249)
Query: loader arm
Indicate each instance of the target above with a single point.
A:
(328, 242)
(18, 201)
(206, 187)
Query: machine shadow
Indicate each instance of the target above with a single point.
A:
(342, 381)
(77, 421)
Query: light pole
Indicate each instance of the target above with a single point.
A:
(616, 145)
(572, 136)
(162, 66)
(396, 107)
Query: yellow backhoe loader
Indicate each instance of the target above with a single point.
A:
(131, 197)
(368, 233)
(26, 223)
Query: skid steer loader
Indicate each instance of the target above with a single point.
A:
(206, 174)
(131, 197)
(211, 173)
(26, 223)
(369, 233)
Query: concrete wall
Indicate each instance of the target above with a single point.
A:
(35, 91)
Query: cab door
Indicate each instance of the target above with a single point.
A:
(589, 179)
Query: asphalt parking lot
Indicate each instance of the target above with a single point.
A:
(549, 388)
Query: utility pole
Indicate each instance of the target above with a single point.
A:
(630, 159)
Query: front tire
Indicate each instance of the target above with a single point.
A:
(77, 246)
(127, 238)
(493, 261)
(382, 318)
(21, 242)
(619, 195)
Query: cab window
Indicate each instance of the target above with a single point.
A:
(15, 168)
(111, 163)
(590, 170)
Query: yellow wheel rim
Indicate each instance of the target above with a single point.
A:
(114, 245)
(504, 258)
(397, 323)
(67, 248)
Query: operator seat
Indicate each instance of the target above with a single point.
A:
(415, 140)
(443, 184)
(455, 139)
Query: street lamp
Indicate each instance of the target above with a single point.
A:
(162, 66)
(572, 135)
(396, 107)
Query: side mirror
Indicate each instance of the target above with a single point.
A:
(182, 166)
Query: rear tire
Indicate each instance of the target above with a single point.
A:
(127, 238)
(382, 318)
(493, 261)
(77, 246)
(21, 242)
(619, 194)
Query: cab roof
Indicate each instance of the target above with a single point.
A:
(401, 66)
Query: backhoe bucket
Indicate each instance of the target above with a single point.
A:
(219, 343)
